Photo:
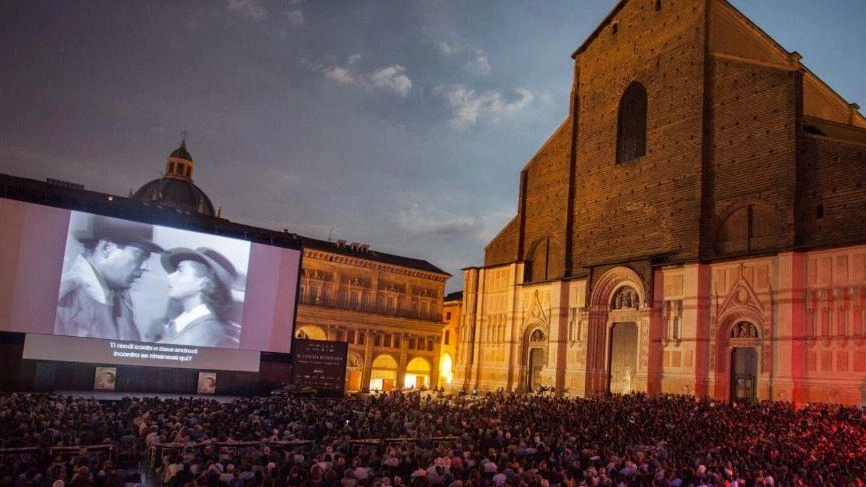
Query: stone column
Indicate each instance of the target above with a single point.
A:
(368, 361)
(402, 361)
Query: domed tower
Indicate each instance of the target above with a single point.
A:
(175, 188)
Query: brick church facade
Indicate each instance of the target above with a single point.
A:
(696, 224)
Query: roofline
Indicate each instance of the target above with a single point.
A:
(798, 64)
(371, 255)
(598, 29)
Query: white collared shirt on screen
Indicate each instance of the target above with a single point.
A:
(187, 317)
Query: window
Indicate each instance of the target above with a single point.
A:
(447, 316)
(631, 124)
(362, 338)
(447, 337)
(350, 336)
(396, 341)
(430, 346)
(387, 340)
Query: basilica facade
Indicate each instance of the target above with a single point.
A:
(696, 224)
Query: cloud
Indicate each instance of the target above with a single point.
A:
(449, 48)
(340, 75)
(389, 78)
(250, 9)
(392, 78)
(418, 221)
(467, 105)
(479, 63)
(295, 17)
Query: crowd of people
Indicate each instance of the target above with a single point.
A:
(396, 440)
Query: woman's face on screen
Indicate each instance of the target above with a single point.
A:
(185, 281)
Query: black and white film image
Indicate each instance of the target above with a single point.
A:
(125, 280)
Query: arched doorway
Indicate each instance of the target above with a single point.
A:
(310, 332)
(743, 338)
(383, 373)
(622, 362)
(417, 373)
(535, 359)
(618, 347)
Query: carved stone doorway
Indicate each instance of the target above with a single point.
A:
(533, 368)
(622, 362)
(744, 374)
(535, 359)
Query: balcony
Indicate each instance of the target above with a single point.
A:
(434, 315)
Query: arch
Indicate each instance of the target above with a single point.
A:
(749, 226)
(384, 361)
(631, 124)
(533, 357)
(383, 373)
(614, 279)
(733, 323)
(615, 282)
(543, 261)
(311, 332)
(417, 373)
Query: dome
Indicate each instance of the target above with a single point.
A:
(175, 188)
(176, 193)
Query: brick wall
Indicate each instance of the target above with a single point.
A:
(547, 191)
(752, 157)
(650, 205)
(832, 174)
(503, 248)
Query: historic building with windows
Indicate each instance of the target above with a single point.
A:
(451, 307)
(387, 307)
(695, 224)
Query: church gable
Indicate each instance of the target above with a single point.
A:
(732, 34)
(503, 248)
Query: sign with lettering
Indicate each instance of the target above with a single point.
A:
(320, 365)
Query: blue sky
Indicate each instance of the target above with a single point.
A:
(401, 124)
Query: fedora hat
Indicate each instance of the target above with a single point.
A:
(223, 269)
(121, 232)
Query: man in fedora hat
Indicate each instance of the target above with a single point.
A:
(94, 293)
(200, 281)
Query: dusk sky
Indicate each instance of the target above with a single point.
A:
(401, 124)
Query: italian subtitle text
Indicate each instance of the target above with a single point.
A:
(155, 352)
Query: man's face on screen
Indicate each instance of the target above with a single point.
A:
(121, 265)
